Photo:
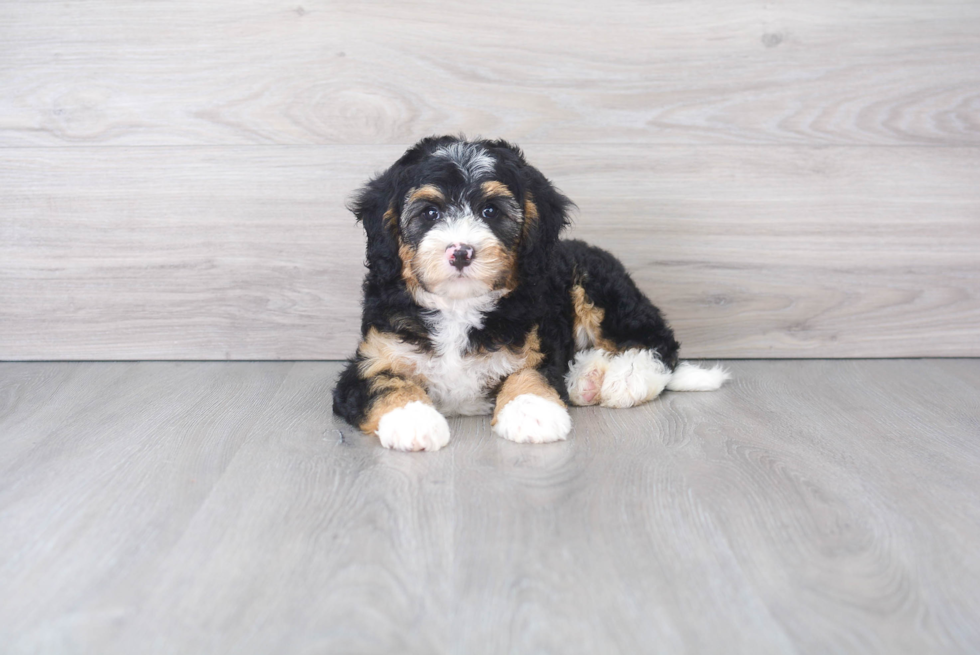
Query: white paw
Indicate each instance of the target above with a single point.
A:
(633, 378)
(585, 375)
(416, 426)
(532, 419)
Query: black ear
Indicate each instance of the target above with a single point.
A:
(545, 216)
(545, 207)
(375, 206)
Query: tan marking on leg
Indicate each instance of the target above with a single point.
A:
(588, 320)
(520, 383)
(382, 351)
(516, 358)
(392, 393)
(531, 351)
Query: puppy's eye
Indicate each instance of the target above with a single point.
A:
(431, 213)
(490, 212)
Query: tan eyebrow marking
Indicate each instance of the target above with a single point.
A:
(496, 189)
(427, 192)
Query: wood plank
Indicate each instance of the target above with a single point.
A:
(357, 561)
(206, 254)
(808, 506)
(248, 252)
(132, 450)
(792, 252)
(625, 71)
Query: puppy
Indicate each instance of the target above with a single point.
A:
(472, 305)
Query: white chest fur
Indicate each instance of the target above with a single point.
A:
(459, 382)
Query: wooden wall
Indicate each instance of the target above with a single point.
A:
(786, 179)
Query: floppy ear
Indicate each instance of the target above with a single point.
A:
(374, 205)
(545, 216)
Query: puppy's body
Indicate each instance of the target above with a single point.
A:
(473, 305)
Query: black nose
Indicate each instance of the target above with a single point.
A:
(461, 256)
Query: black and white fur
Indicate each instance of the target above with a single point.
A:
(472, 305)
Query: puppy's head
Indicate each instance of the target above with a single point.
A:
(460, 219)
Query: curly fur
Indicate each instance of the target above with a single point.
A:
(527, 300)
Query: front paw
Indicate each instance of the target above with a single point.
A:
(416, 426)
(532, 419)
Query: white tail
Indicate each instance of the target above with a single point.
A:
(688, 377)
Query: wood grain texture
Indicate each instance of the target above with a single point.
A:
(809, 506)
(248, 252)
(791, 179)
(625, 71)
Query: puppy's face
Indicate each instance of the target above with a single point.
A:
(460, 242)
(463, 217)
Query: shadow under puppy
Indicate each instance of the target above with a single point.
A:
(473, 305)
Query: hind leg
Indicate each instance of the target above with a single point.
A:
(633, 377)
(626, 352)
(585, 376)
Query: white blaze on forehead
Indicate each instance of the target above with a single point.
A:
(472, 160)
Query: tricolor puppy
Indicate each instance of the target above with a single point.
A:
(472, 305)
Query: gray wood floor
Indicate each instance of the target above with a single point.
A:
(809, 506)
